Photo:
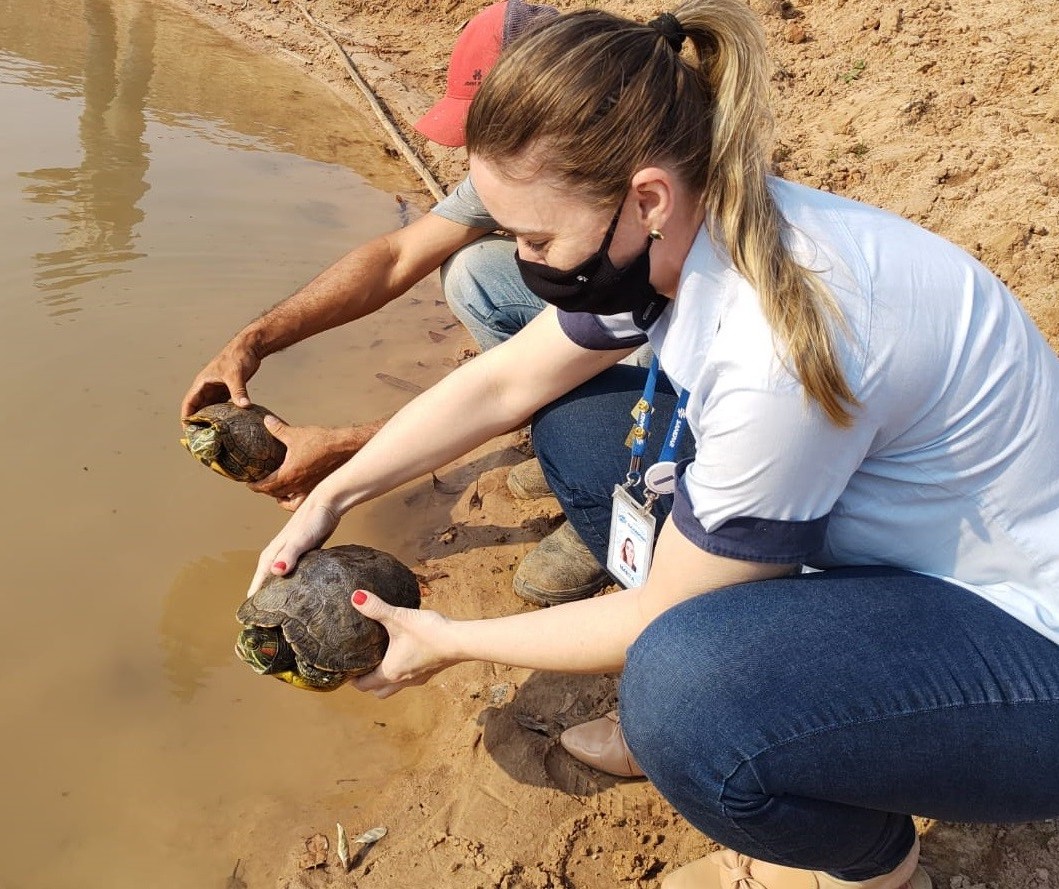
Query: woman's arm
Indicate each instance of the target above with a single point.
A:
(490, 395)
(589, 636)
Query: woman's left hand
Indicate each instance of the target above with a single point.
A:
(414, 653)
(311, 525)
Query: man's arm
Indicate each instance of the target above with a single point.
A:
(365, 279)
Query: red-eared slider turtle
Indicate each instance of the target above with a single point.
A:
(303, 629)
(233, 441)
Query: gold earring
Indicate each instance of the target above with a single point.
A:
(655, 235)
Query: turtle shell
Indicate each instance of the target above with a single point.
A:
(233, 441)
(311, 606)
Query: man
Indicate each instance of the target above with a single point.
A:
(483, 288)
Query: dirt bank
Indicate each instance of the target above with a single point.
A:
(945, 111)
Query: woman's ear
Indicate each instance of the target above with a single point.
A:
(653, 188)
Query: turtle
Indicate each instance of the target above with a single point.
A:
(303, 629)
(233, 441)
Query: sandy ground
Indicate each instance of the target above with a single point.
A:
(945, 111)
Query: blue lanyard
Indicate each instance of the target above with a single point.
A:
(641, 414)
(677, 425)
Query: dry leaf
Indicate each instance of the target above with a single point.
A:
(533, 724)
(399, 383)
(371, 836)
(315, 852)
(430, 578)
(436, 337)
(444, 487)
(343, 846)
(235, 881)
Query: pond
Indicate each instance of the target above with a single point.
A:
(159, 187)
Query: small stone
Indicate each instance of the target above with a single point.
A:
(795, 34)
(889, 21)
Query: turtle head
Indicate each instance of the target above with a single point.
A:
(265, 650)
(269, 654)
(202, 441)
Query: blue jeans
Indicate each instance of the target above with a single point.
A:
(485, 291)
(580, 442)
(803, 720)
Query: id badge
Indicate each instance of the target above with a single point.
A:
(632, 539)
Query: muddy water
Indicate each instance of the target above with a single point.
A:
(158, 188)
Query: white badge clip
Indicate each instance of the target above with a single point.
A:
(661, 477)
(632, 539)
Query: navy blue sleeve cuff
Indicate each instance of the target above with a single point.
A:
(748, 538)
(588, 332)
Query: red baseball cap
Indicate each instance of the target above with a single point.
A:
(473, 56)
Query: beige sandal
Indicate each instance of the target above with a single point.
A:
(730, 870)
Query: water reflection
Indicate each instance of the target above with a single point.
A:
(98, 200)
(198, 625)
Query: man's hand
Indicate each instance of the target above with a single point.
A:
(313, 453)
(224, 377)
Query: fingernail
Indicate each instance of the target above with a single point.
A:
(360, 597)
(280, 566)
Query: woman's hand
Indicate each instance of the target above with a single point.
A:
(416, 648)
(311, 525)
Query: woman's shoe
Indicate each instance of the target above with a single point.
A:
(727, 869)
(601, 744)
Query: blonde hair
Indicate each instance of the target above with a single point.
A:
(595, 98)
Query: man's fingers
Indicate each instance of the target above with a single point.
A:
(276, 427)
(240, 396)
(199, 396)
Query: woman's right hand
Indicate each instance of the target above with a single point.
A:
(310, 526)
(224, 377)
(418, 645)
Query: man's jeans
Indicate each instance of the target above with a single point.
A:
(803, 720)
(485, 291)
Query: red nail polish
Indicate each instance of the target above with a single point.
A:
(282, 566)
(360, 597)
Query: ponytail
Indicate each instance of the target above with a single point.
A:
(595, 98)
(739, 210)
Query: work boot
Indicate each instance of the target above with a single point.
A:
(527, 482)
(560, 569)
(601, 744)
(727, 869)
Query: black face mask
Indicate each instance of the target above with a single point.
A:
(596, 287)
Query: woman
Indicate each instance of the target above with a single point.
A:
(628, 553)
(861, 397)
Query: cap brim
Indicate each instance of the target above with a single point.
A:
(444, 123)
